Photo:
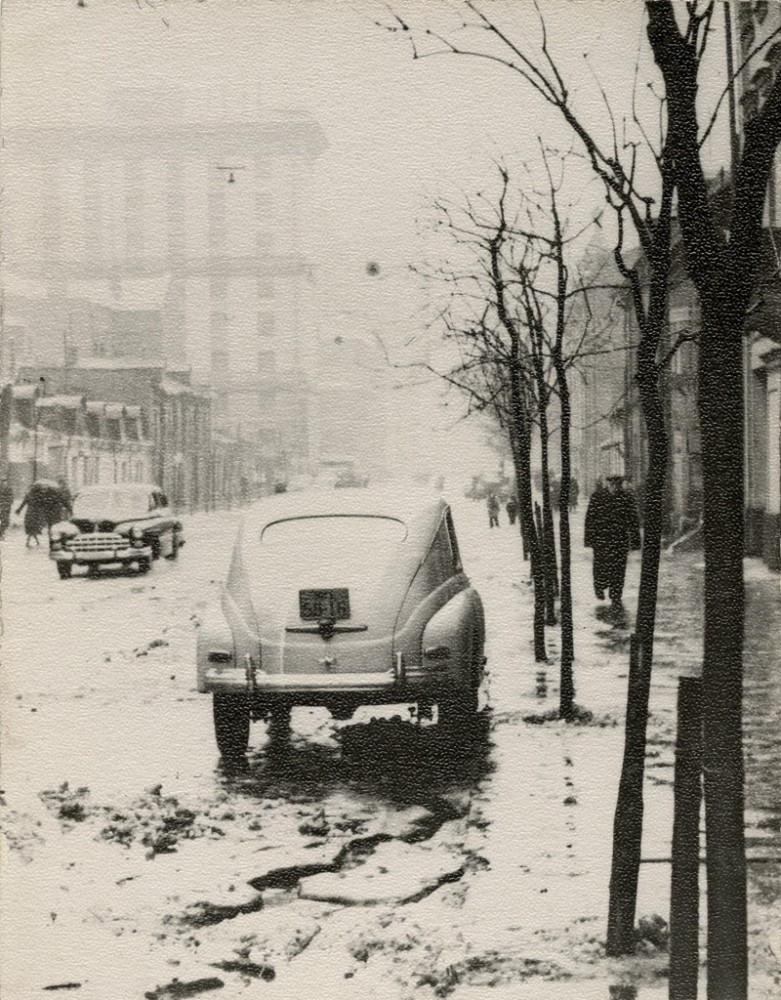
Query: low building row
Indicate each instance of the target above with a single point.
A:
(108, 421)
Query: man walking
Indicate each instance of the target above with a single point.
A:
(493, 511)
(612, 529)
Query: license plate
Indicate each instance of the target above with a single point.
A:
(315, 605)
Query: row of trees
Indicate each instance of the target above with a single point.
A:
(511, 316)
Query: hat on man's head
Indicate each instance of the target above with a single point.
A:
(615, 477)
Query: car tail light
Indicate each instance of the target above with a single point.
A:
(437, 652)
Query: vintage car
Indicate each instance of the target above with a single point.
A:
(342, 599)
(121, 523)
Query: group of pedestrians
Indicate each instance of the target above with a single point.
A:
(44, 504)
(612, 530)
(494, 507)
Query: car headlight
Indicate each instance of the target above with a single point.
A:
(136, 533)
(63, 530)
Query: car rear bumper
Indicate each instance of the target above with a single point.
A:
(389, 686)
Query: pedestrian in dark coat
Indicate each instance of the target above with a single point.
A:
(612, 529)
(493, 511)
(512, 509)
(6, 503)
(35, 516)
(574, 493)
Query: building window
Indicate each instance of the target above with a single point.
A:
(218, 289)
(263, 206)
(219, 366)
(265, 324)
(266, 363)
(113, 429)
(265, 289)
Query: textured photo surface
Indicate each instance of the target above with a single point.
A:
(390, 480)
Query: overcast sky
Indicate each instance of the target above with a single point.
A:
(399, 131)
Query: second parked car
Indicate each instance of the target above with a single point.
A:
(119, 523)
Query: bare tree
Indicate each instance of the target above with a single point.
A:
(508, 305)
(476, 310)
(723, 264)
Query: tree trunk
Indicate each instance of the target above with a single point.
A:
(720, 402)
(628, 820)
(547, 533)
(521, 447)
(566, 682)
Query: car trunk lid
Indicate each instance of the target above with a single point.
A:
(326, 591)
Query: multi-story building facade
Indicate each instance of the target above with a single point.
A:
(171, 239)
(759, 52)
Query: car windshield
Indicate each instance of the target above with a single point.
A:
(110, 503)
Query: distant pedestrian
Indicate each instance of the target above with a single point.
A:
(574, 493)
(493, 511)
(34, 517)
(555, 494)
(612, 529)
(512, 509)
(6, 503)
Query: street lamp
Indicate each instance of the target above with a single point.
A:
(231, 171)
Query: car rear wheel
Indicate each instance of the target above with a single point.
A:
(458, 710)
(231, 724)
(278, 717)
(144, 565)
(64, 569)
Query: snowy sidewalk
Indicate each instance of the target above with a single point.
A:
(549, 805)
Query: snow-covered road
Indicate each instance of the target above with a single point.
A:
(370, 859)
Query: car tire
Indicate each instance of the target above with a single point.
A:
(174, 545)
(144, 565)
(64, 569)
(458, 710)
(231, 724)
(155, 546)
(279, 720)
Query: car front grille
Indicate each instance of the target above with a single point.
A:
(97, 541)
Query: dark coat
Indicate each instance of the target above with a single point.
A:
(612, 522)
(35, 517)
(6, 497)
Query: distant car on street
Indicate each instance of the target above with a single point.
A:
(119, 523)
(342, 599)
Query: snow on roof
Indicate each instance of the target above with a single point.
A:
(23, 391)
(129, 294)
(403, 503)
(67, 402)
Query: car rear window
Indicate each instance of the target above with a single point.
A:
(355, 555)
(335, 532)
